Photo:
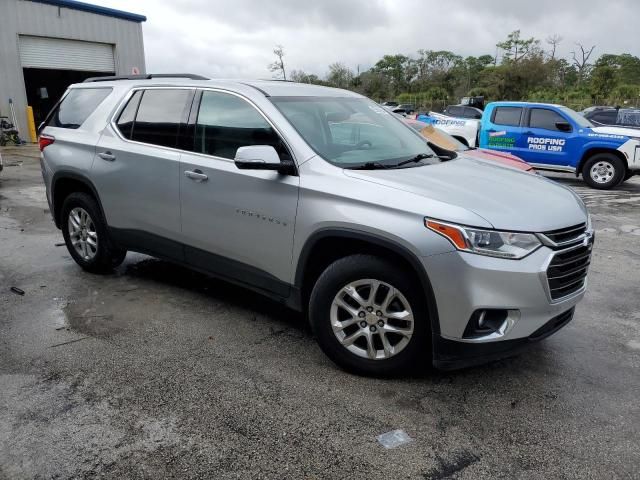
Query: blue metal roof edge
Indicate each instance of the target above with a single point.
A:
(87, 7)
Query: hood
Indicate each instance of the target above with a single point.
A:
(627, 132)
(508, 199)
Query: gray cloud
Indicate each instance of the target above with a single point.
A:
(235, 38)
(340, 15)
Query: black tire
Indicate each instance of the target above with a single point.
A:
(107, 256)
(610, 163)
(415, 354)
(627, 176)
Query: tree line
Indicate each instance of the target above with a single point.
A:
(521, 69)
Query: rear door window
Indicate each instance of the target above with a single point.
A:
(509, 116)
(76, 107)
(544, 118)
(161, 114)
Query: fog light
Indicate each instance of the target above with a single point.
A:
(485, 322)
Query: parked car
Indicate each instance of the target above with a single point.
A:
(464, 130)
(477, 102)
(404, 108)
(613, 116)
(440, 139)
(389, 104)
(556, 138)
(462, 111)
(322, 200)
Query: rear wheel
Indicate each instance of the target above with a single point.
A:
(603, 171)
(370, 317)
(85, 233)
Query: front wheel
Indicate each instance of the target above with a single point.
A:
(603, 171)
(370, 317)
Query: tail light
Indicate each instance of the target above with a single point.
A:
(45, 140)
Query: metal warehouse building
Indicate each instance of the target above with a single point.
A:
(45, 45)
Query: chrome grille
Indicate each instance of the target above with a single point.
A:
(567, 271)
(566, 236)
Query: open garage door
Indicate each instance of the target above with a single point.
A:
(50, 65)
(63, 54)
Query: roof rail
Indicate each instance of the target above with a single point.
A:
(146, 76)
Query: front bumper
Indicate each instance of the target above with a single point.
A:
(451, 354)
(464, 283)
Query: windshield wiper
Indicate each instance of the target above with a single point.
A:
(417, 158)
(371, 166)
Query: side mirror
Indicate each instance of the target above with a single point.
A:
(262, 157)
(563, 126)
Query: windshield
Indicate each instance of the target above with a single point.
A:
(352, 132)
(436, 136)
(576, 117)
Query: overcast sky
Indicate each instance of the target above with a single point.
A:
(235, 38)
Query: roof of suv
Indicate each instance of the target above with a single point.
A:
(271, 88)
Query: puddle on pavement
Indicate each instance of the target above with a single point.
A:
(89, 316)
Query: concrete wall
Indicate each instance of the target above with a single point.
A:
(22, 17)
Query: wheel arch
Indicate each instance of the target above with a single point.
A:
(63, 184)
(328, 245)
(591, 151)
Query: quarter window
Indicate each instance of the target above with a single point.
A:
(160, 116)
(76, 107)
(507, 116)
(227, 122)
(546, 119)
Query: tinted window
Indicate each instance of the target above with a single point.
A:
(125, 121)
(77, 106)
(472, 113)
(160, 114)
(226, 123)
(455, 111)
(606, 117)
(507, 116)
(543, 118)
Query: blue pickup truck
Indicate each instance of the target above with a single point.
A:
(556, 138)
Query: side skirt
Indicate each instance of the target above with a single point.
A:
(210, 264)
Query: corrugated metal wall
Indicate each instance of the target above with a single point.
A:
(23, 17)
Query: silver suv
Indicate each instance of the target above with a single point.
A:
(322, 200)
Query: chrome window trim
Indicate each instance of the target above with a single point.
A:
(131, 92)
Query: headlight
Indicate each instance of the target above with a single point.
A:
(486, 242)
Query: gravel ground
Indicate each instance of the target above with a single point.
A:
(157, 372)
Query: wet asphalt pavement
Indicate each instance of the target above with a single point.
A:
(157, 372)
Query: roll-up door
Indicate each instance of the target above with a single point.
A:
(64, 54)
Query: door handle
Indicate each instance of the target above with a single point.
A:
(196, 175)
(108, 156)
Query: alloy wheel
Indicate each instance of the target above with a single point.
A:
(82, 233)
(372, 319)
